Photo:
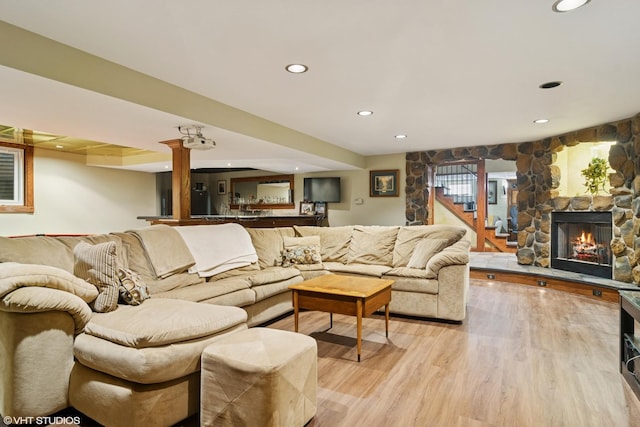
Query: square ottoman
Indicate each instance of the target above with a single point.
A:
(259, 377)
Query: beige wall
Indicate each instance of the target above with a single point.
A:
(355, 186)
(71, 197)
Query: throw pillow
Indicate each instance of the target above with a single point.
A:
(424, 251)
(133, 290)
(98, 265)
(301, 251)
(300, 255)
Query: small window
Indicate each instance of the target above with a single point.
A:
(16, 178)
(11, 176)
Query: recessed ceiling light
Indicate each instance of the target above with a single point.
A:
(567, 5)
(401, 136)
(365, 113)
(296, 68)
(550, 85)
(541, 121)
(228, 164)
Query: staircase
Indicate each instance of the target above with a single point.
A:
(497, 241)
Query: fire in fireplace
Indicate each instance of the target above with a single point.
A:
(580, 242)
(585, 248)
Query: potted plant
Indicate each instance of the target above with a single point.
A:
(595, 175)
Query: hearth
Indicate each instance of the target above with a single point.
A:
(580, 242)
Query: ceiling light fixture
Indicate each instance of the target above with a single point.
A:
(365, 113)
(541, 121)
(550, 85)
(296, 68)
(401, 136)
(568, 5)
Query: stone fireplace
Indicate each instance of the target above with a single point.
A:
(580, 242)
(538, 197)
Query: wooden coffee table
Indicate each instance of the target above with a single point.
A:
(349, 295)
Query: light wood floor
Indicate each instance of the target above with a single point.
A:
(523, 357)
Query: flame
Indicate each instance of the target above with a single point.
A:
(586, 238)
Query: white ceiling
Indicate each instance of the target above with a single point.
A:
(446, 73)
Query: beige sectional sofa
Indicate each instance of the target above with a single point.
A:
(139, 365)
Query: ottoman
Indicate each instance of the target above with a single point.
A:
(259, 377)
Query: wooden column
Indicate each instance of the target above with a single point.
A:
(431, 202)
(180, 179)
(481, 206)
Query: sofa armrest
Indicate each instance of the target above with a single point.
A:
(456, 254)
(39, 299)
(36, 355)
(453, 290)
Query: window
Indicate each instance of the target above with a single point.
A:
(11, 176)
(16, 178)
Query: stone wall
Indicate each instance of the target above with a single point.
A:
(538, 179)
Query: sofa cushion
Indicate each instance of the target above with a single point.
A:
(162, 321)
(207, 290)
(137, 261)
(372, 245)
(456, 254)
(269, 243)
(413, 284)
(334, 241)
(55, 251)
(98, 265)
(363, 269)
(14, 275)
(149, 365)
(271, 275)
(94, 239)
(165, 250)
(271, 289)
(424, 251)
(36, 250)
(46, 300)
(301, 251)
(409, 237)
(415, 273)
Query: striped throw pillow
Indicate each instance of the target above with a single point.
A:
(98, 265)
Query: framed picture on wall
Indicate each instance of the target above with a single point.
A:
(492, 192)
(383, 183)
(222, 186)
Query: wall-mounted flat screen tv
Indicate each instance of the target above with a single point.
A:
(322, 189)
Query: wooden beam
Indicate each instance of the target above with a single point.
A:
(180, 179)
